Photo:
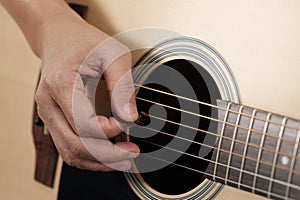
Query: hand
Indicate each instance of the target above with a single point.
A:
(73, 51)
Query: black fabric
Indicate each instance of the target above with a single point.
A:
(76, 184)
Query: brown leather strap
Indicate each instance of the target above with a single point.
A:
(46, 153)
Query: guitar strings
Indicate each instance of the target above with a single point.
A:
(292, 165)
(294, 158)
(227, 123)
(217, 120)
(216, 163)
(218, 107)
(234, 125)
(222, 122)
(225, 151)
(289, 185)
(233, 140)
(224, 137)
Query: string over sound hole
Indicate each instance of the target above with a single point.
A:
(168, 134)
(143, 119)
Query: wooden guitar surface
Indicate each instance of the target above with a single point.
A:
(260, 41)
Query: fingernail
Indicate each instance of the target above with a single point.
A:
(130, 110)
(124, 169)
(133, 155)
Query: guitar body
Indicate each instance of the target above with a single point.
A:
(259, 40)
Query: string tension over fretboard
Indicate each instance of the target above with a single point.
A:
(257, 151)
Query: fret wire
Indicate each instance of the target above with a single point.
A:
(215, 106)
(232, 143)
(198, 171)
(276, 156)
(263, 135)
(292, 164)
(214, 119)
(225, 151)
(260, 150)
(203, 172)
(224, 137)
(220, 141)
(246, 146)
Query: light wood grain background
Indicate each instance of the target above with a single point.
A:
(18, 75)
(260, 39)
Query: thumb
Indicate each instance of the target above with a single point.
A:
(121, 88)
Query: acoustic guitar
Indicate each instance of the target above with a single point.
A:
(195, 134)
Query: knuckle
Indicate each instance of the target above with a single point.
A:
(71, 155)
(42, 107)
(38, 97)
(39, 100)
(51, 80)
(70, 159)
(48, 81)
(39, 111)
(41, 94)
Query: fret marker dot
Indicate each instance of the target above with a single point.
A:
(284, 160)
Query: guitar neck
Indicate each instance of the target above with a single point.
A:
(257, 151)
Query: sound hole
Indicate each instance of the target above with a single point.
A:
(185, 173)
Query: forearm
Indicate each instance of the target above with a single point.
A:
(30, 15)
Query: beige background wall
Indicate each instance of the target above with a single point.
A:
(260, 39)
(18, 74)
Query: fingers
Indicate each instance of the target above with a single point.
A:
(70, 95)
(121, 88)
(106, 152)
(113, 60)
(96, 166)
(69, 114)
(68, 90)
(87, 123)
(85, 153)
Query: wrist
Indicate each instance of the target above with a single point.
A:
(31, 15)
(48, 22)
(54, 30)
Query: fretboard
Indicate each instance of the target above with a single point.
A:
(257, 151)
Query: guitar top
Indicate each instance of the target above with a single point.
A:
(260, 46)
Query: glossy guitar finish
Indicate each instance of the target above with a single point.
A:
(259, 40)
